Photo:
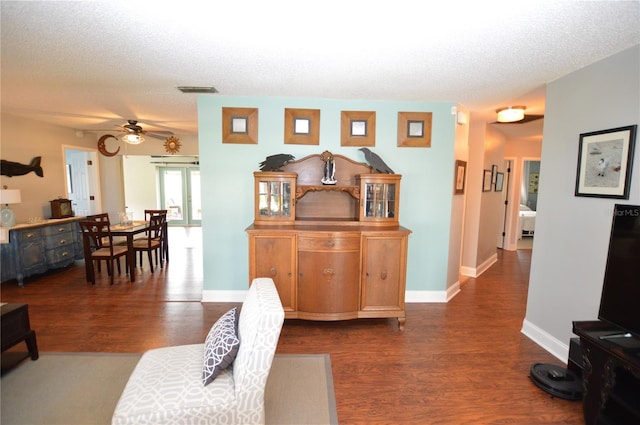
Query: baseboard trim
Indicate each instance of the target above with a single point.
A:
(546, 341)
(477, 271)
(213, 296)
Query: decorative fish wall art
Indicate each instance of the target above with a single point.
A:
(10, 168)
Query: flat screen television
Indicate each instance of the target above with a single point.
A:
(620, 301)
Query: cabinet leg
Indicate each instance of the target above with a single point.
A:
(401, 321)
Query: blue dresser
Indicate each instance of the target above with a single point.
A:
(35, 248)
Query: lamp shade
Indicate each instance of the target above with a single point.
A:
(511, 113)
(10, 196)
(133, 139)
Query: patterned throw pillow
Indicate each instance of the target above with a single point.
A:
(221, 345)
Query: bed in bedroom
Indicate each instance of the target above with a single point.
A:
(527, 222)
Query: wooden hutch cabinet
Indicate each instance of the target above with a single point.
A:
(335, 251)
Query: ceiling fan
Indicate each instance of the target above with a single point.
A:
(133, 133)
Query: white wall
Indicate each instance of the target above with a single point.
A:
(483, 209)
(23, 140)
(572, 233)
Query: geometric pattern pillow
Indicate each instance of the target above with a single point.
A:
(221, 345)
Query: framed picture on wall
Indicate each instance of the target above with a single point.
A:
(358, 128)
(414, 129)
(459, 178)
(301, 126)
(240, 125)
(499, 182)
(605, 159)
(486, 181)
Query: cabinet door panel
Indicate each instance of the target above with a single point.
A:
(273, 257)
(328, 282)
(31, 253)
(8, 262)
(383, 274)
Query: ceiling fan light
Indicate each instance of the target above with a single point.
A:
(133, 139)
(511, 113)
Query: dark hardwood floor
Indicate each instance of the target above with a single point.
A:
(464, 362)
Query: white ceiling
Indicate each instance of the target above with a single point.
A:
(93, 65)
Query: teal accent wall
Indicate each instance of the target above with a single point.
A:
(227, 180)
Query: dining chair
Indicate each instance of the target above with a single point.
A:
(152, 242)
(99, 246)
(104, 218)
(164, 250)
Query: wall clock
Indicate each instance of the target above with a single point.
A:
(102, 147)
(172, 145)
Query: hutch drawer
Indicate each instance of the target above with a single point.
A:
(331, 242)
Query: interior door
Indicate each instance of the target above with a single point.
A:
(81, 171)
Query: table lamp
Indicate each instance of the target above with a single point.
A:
(8, 196)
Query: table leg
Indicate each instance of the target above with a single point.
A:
(131, 258)
(165, 245)
(88, 262)
(32, 345)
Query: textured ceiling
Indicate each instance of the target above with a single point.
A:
(93, 65)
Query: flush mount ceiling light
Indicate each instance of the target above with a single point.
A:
(133, 139)
(511, 113)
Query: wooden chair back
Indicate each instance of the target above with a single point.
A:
(97, 234)
(104, 217)
(150, 213)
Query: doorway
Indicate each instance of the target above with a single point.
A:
(82, 173)
(504, 187)
(528, 207)
(157, 182)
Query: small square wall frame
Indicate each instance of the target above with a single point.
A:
(414, 129)
(301, 126)
(358, 128)
(240, 125)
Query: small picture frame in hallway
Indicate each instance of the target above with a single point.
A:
(486, 181)
(460, 177)
(499, 181)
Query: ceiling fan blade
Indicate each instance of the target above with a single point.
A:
(156, 136)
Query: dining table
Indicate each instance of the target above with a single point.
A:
(129, 230)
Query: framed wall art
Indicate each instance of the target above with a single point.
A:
(459, 178)
(240, 125)
(486, 181)
(358, 128)
(605, 160)
(499, 182)
(414, 129)
(301, 126)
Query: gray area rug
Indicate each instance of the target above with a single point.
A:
(84, 388)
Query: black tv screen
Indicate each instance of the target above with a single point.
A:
(620, 301)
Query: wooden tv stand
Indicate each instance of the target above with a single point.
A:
(335, 252)
(611, 374)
